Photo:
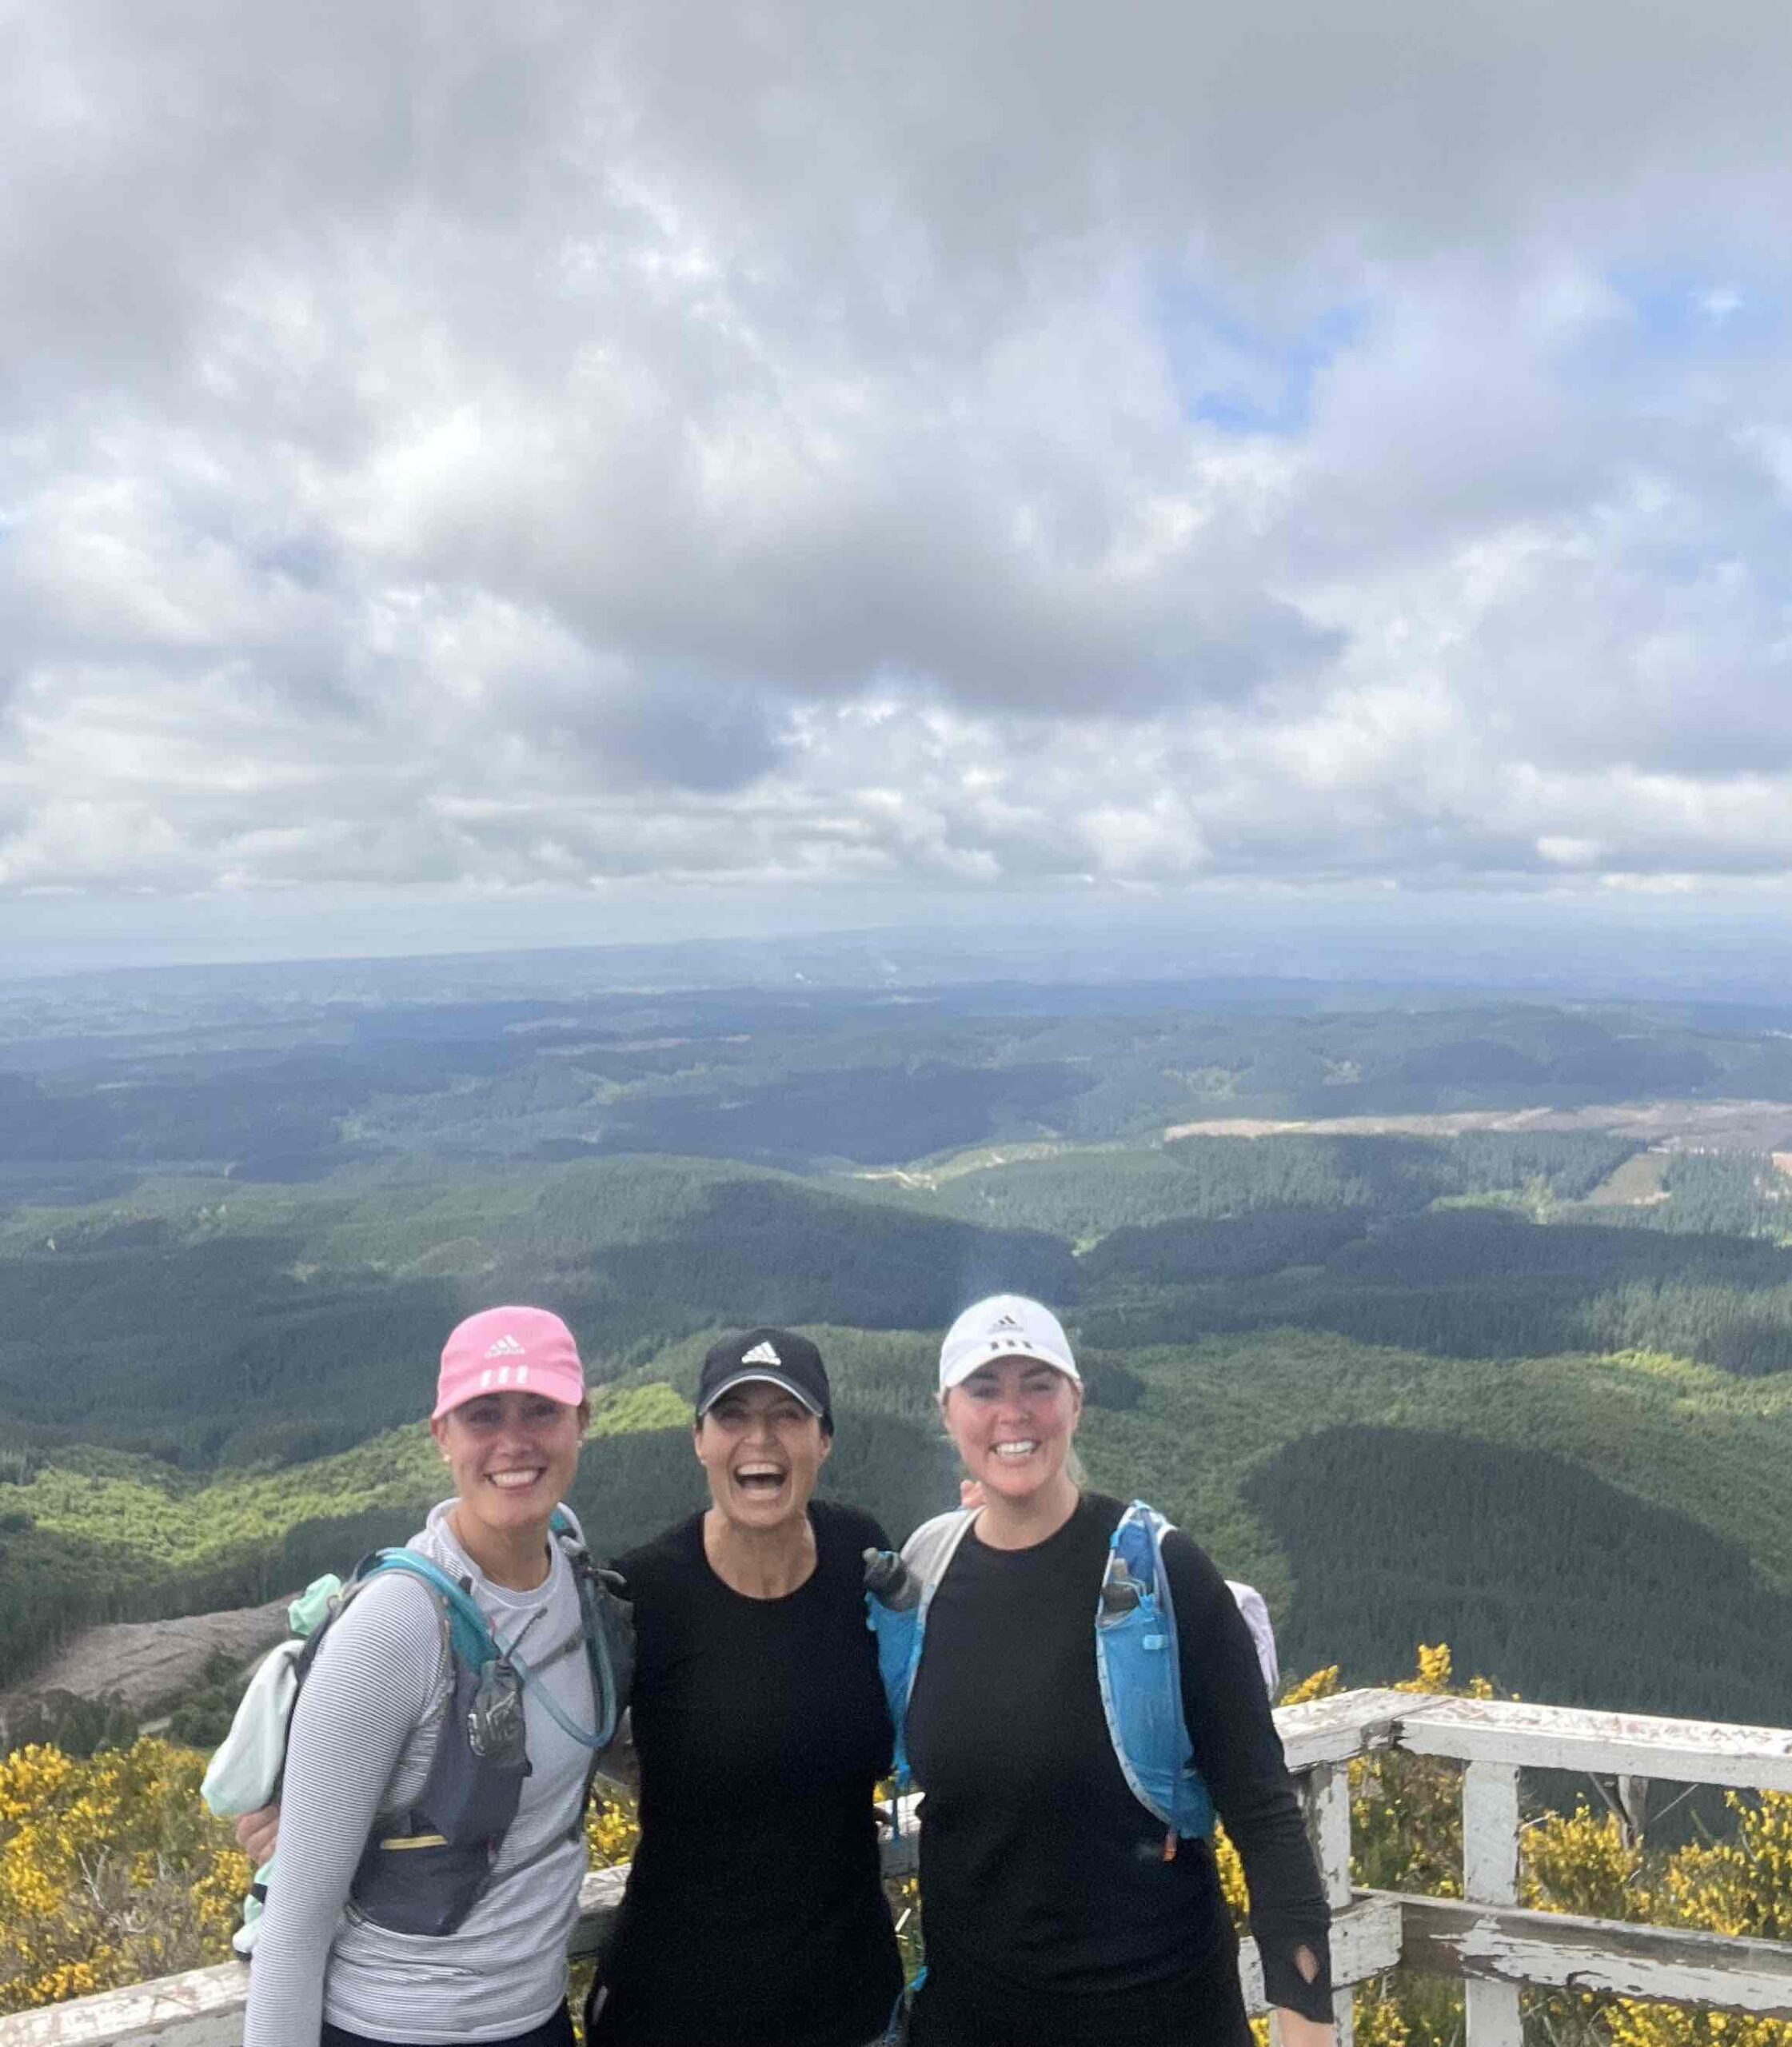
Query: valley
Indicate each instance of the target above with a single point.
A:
(1353, 1352)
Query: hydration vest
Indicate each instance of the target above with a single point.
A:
(426, 1864)
(1136, 1662)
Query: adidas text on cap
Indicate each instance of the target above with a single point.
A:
(773, 1357)
(512, 1350)
(1004, 1326)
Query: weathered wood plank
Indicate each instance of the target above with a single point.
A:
(1491, 1877)
(1346, 1724)
(1491, 2014)
(1606, 1744)
(1490, 1833)
(204, 2008)
(1657, 1964)
(1364, 1943)
(599, 1895)
(1326, 1794)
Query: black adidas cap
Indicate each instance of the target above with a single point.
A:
(774, 1355)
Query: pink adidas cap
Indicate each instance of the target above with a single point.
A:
(506, 1350)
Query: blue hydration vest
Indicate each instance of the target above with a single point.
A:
(1136, 1662)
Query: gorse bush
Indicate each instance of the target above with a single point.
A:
(111, 1872)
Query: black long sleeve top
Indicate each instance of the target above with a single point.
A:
(1050, 1910)
(755, 1913)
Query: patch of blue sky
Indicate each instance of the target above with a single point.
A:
(1683, 312)
(1243, 378)
(1679, 313)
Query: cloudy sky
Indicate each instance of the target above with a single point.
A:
(570, 471)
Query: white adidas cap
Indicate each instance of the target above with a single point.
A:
(1004, 1326)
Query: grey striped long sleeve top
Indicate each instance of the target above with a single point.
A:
(363, 1736)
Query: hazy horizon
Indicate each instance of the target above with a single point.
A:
(1642, 949)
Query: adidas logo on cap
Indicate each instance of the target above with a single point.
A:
(506, 1347)
(762, 1354)
(1006, 1321)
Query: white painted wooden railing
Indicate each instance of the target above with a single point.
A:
(1482, 1936)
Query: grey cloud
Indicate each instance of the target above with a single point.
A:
(1270, 134)
(158, 160)
(678, 733)
(451, 445)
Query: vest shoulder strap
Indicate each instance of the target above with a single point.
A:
(607, 1621)
(934, 1544)
(469, 1633)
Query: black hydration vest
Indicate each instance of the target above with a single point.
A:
(426, 1865)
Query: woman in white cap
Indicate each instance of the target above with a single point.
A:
(1070, 1889)
(442, 1747)
(755, 1915)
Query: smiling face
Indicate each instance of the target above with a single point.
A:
(1011, 1421)
(762, 1451)
(513, 1455)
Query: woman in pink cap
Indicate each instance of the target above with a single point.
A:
(441, 1751)
(755, 1914)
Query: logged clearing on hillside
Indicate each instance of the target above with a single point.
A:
(1637, 1182)
(1726, 1126)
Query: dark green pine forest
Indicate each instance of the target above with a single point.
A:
(1525, 1389)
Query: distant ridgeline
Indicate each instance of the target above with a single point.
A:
(228, 1255)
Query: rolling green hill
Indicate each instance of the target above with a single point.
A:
(210, 1370)
(1683, 1437)
(1547, 1580)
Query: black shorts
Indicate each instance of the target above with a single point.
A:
(555, 2031)
(1205, 2010)
(596, 2032)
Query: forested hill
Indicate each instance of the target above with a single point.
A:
(229, 1252)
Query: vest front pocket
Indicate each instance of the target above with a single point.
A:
(420, 1883)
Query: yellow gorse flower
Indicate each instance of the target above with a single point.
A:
(111, 1872)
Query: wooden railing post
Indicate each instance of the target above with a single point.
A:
(1326, 1792)
(1491, 1877)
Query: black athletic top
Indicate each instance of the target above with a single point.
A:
(755, 1913)
(1050, 1913)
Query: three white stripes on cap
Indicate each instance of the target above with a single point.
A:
(506, 1347)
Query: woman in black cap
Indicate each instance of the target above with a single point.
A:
(755, 1915)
